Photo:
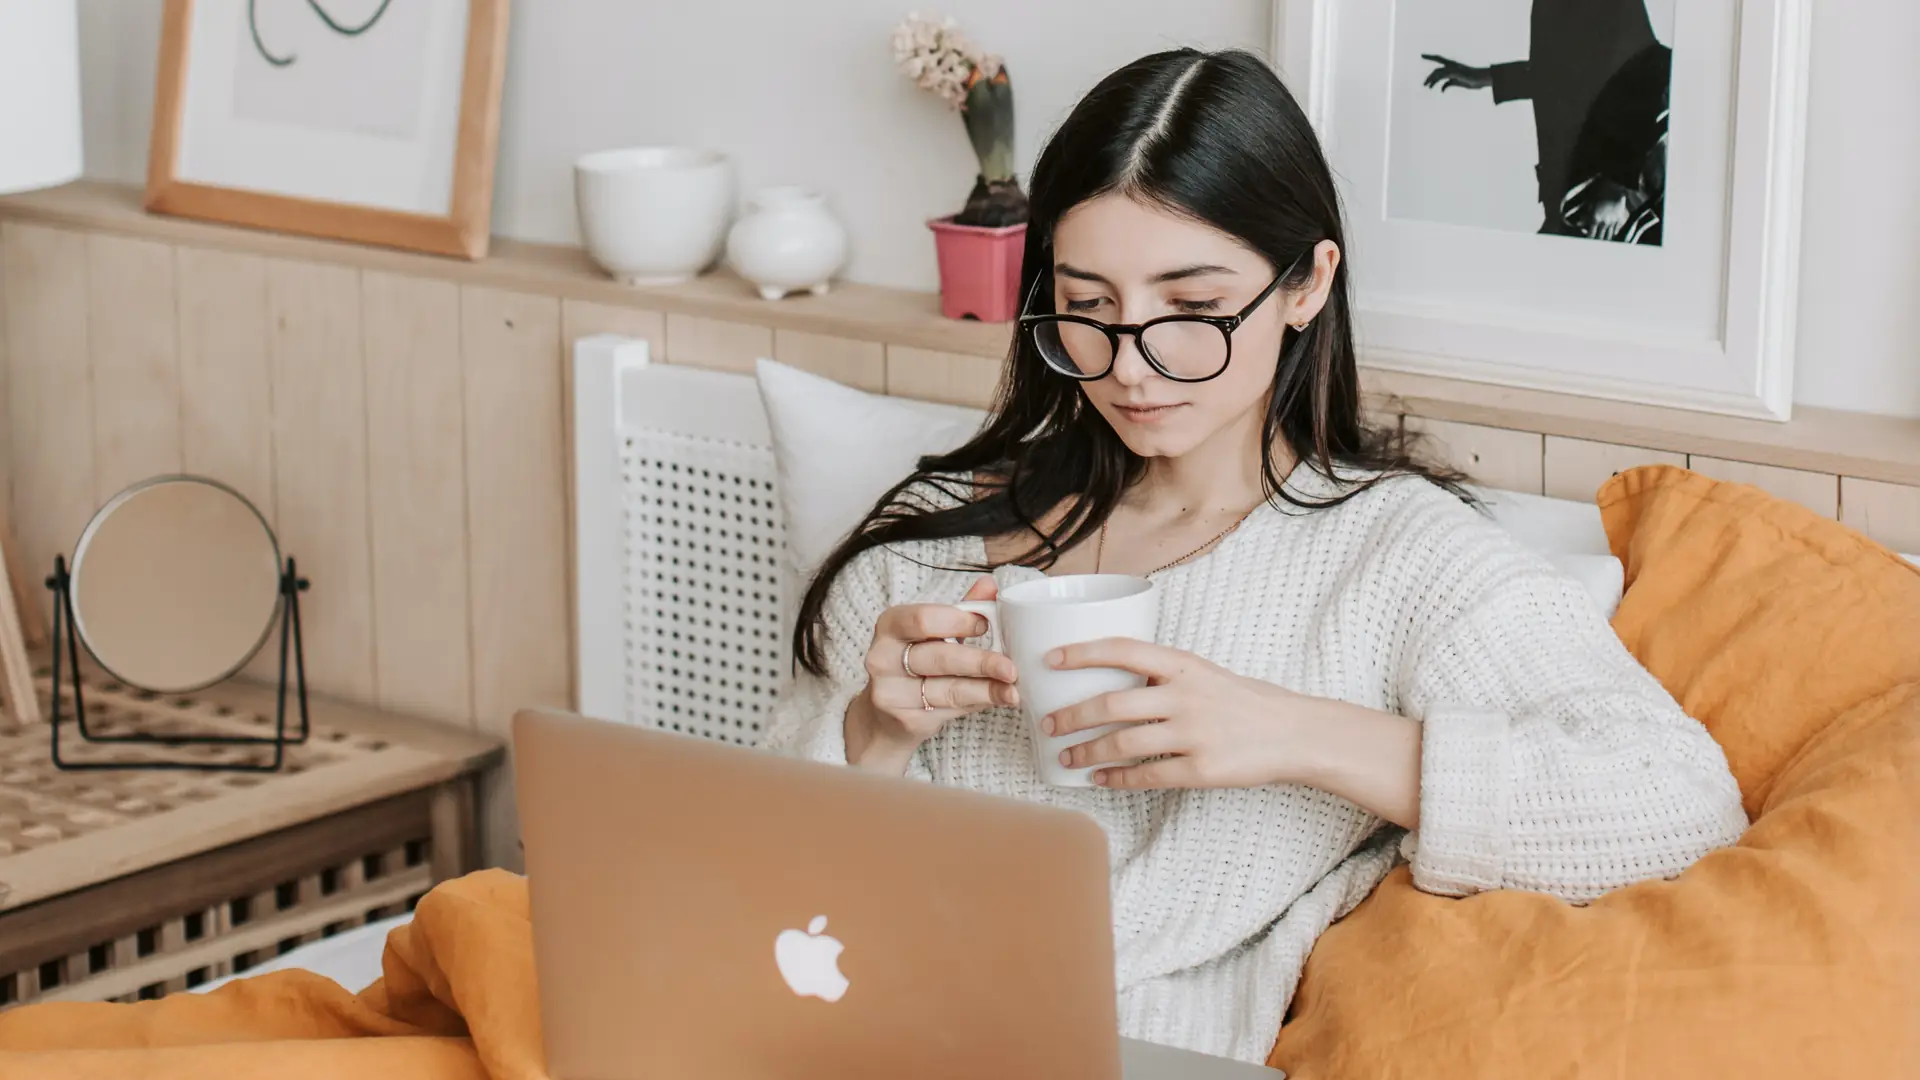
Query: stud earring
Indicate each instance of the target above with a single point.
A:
(1301, 327)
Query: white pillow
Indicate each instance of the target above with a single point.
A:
(1569, 534)
(838, 449)
(1601, 575)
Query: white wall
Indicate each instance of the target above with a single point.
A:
(1859, 339)
(806, 93)
(796, 92)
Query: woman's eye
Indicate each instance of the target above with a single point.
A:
(1083, 305)
(1197, 307)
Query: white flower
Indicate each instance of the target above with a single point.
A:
(938, 58)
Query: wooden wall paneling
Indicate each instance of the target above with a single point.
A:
(49, 389)
(226, 385)
(856, 363)
(580, 318)
(226, 372)
(24, 578)
(134, 344)
(6, 442)
(1889, 513)
(320, 466)
(417, 495)
(1493, 457)
(516, 524)
(716, 343)
(953, 378)
(1818, 492)
(1575, 468)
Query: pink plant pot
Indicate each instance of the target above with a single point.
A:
(979, 270)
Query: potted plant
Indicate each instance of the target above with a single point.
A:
(979, 247)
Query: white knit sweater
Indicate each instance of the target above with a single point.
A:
(1551, 760)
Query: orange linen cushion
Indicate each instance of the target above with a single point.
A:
(1795, 953)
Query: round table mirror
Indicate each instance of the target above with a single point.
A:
(176, 584)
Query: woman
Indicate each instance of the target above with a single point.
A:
(1348, 649)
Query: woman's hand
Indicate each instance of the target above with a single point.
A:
(911, 696)
(1207, 728)
(1448, 74)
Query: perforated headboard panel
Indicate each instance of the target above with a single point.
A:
(703, 539)
(681, 587)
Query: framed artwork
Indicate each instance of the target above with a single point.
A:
(362, 120)
(1598, 197)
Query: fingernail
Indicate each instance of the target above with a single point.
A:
(1046, 724)
(1100, 779)
(1013, 696)
(1066, 758)
(1054, 657)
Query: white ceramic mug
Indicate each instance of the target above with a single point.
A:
(1033, 618)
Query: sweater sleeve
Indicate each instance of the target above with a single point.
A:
(1551, 760)
(808, 719)
(1511, 81)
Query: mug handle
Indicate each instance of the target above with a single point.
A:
(989, 610)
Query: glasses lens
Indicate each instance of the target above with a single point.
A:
(1187, 348)
(1073, 348)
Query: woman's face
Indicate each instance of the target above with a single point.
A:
(1119, 260)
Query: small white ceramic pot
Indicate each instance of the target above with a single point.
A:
(654, 215)
(788, 241)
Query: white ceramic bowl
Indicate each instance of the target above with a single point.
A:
(652, 215)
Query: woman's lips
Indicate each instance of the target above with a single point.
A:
(1147, 414)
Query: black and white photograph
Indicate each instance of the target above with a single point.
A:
(1546, 116)
(1483, 146)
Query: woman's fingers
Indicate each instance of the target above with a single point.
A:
(926, 622)
(943, 658)
(967, 695)
(1128, 744)
(946, 694)
(1143, 703)
(1140, 657)
(1171, 772)
(890, 659)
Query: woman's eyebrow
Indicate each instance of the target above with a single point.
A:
(1196, 270)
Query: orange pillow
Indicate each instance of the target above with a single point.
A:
(1794, 954)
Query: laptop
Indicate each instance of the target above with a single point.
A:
(706, 910)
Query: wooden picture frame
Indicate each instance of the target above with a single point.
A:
(1705, 321)
(464, 231)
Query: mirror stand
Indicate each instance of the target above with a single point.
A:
(66, 640)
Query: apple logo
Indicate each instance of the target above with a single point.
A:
(810, 961)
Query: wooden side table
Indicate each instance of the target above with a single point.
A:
(120, 885)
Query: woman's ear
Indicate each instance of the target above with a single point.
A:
(1304, 307)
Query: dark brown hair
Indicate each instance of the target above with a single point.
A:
(1213, 136)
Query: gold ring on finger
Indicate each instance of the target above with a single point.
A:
(925, 705)
(906, 660)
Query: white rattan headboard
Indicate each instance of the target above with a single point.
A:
(682, 587)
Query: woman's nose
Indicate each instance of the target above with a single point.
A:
(1130, 368)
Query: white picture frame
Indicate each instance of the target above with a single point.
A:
(1704, 322)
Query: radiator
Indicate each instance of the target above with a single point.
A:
(682, 585)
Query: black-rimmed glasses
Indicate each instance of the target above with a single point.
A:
(1184, 348)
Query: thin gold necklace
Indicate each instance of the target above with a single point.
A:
(1100, 552)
